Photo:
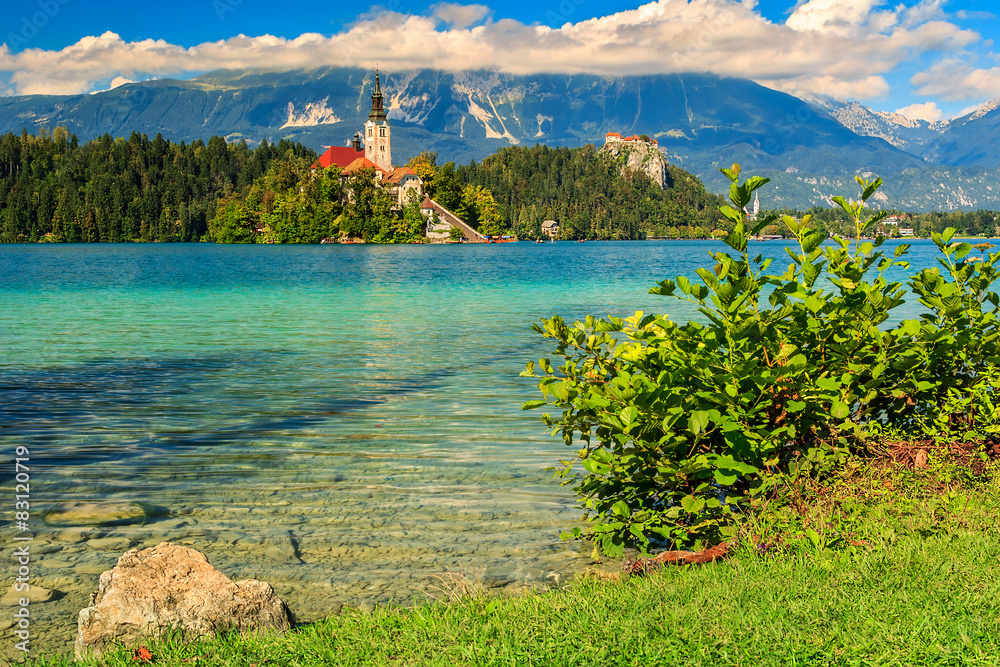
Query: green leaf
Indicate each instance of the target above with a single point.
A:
(842, 203)
(612, 545)
(725, 478)
(733, 173)
(621, 508)
(738, 195)
(874, 220)
(628, 415)
(814, 537)
(664, 288)
(731, 213)
(812, 240)
(698, 421)
(840, 410)
(692, 505)
(763, 222)
(531, 405)
(870, 188)
(755, 182)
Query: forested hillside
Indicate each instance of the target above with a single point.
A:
(587, 193)
(54, 188)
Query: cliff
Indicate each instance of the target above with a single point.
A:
(640, 156)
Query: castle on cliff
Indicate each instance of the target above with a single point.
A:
(617, 138)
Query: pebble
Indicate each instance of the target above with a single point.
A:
(46, 549)
(95, 514)
(36, 594)
(121, 544)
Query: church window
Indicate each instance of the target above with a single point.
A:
(381, 131)
(369, 131)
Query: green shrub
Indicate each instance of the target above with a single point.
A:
(680, 424)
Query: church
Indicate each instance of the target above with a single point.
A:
(374, 151)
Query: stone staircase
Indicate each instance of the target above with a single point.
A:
(471, 234)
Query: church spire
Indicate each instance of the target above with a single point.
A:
(378, 111)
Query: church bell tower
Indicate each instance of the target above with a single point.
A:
(377, 147)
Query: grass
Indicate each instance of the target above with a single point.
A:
(901, 569)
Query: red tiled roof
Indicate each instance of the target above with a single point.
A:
(399, 172)
(612, 134)
(427, 203)
(339, 156)
(359, 164)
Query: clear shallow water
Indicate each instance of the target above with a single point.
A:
(341, 421)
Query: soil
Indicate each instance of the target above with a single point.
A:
(915, 453)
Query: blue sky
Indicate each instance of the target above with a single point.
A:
(929, 58)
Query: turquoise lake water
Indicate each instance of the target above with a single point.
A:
(341, 421)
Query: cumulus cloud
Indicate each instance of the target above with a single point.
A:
(460, 16)
(824, 47)
(957, 79)
(840, 17)
(925, 111)
(115, 82)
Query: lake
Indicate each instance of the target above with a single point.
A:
(341, 421)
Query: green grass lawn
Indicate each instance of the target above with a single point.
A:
(922, 587)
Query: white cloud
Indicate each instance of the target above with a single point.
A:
(967, 15)
(925, 111)
(840, 17)
(115, 82)
(460, 16)
(825, 46)
(957, 79)
(967, 110)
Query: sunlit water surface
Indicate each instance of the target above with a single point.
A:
(341, 421)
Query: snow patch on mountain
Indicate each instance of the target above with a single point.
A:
(909, 134)
(985, 109)
(314, 113)
(541, 121)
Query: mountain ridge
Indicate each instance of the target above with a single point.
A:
(702, 122)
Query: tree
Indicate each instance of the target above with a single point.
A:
(369, 210)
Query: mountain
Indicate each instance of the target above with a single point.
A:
(702, 122)
(917, 190)
(912, 136)
(972, 140)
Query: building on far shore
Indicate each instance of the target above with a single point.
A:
(374, 151)
(615, 137)
(550, 228)
(753, 208)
